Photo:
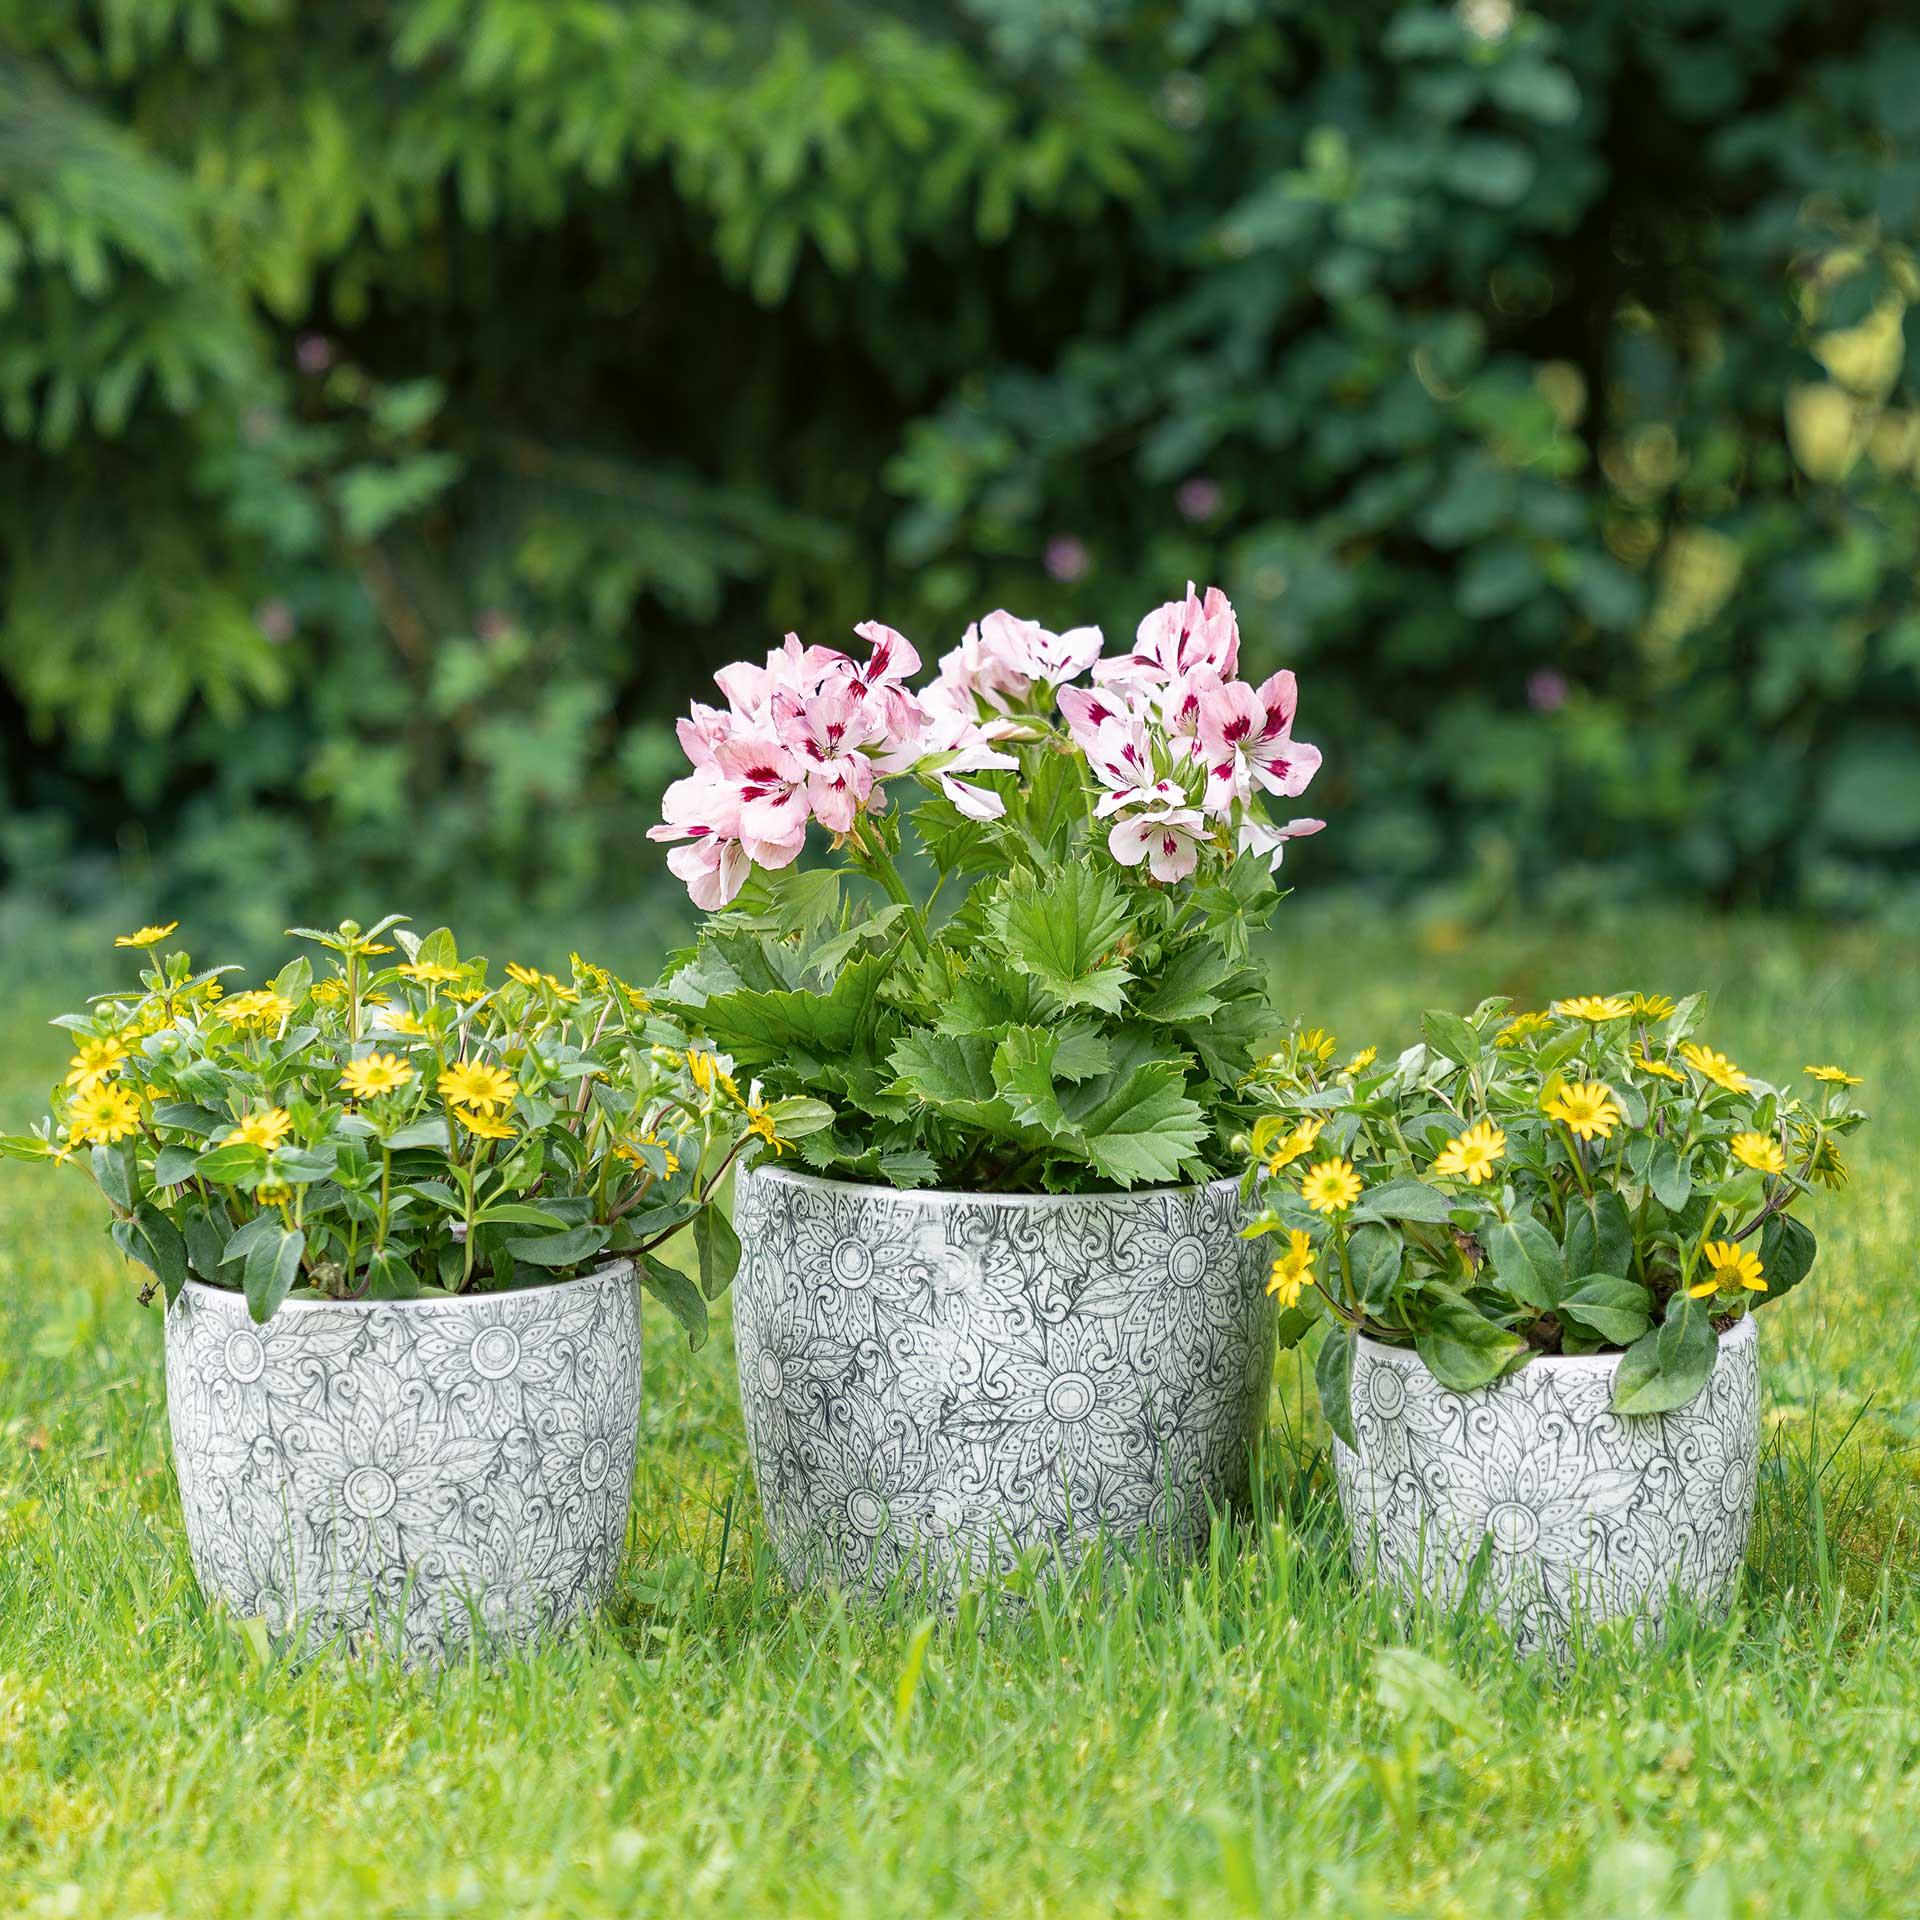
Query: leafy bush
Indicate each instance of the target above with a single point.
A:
(397, 1127)
(1586, 1180)
(404, 402)
(1081, 1013)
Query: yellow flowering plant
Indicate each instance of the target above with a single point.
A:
(397, 1124)
(1589, 1178)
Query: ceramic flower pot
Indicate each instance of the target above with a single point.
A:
(1550, 1501)
(408, 1471)
(935, 1383)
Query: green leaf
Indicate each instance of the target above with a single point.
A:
(1620, 1311)
(679, 1296)
(1374, 1259)
(718, 1248)
(1667, 1367)
(567, 1249)
(1333, 1375)
(237, 1164)
(1144, 1129)
(513, 1213)
(390, 1276)
(168, 1248)
(419, 1133)
(1450, 1036)
(206, 1240)
(1599, 1237)
(770, 1027)
(1061, 930)
(1405, 1200)
(1671, 1176)
(302, 1166)
(1462, 1348)
(1186, 988)
(1528, 1262)
(272, 1262)
(173, 1165)
(1787, 1248)
(955, 1072)
(185, 1117)
(245, 1238)
(797, 1116)
(113, 1169)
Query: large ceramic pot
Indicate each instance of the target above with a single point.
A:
(1538, 1491)
(935, 1383)
(408, 1471)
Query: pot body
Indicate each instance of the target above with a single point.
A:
(935, 1384)
(408, 1471)
(1546, 1499)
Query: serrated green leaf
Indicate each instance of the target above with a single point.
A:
(1061, 931)
(1141, 1132)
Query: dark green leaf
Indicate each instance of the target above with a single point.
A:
(1462, 1348)
(237, 1164)
(1450, 1036)
(567, 1249)
(1620, 1311)
(1373, 1258)
(1406, 1200)
(1333, 1375)
(272, 1263)
(1062, 930)
(718, 1248)
(679, 1296)
(173, 1165)
(113, 1169)
(1787, 1248)
(1599, 1236)
(1667, 1367)
(1527, 1261)
(1671, 1176)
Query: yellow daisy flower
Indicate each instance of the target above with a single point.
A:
(1588, 1109)
(378, 1073)
(1472, 1154)
(408, 1024)
(1291, 1146)
(760, 1124)
(1714, 1066)
(145, 936)
(430, 973)
(472, 1083)
(96, 1058)
(1760, 1151)
(1825, 1165)
(1597, 1007)
(1523, 1026)
(1292, 1270)
(330, 993)
(103, 1115)
(598, 978)
(525, 976)
(261, 1007)
(1317, 1044)
(479, 1123)
(629, 1151)
(264, 1127)
(1660, 1069)
(1651, 1006)
(1833, 1076)
(1727, 1266)
(1331, 1186)
(1361, 1061)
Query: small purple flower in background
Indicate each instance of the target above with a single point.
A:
(1199, 498)
(275, 620)
(313, 353)
(1066, 557)
(1546, 690)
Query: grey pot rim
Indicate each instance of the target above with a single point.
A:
(1742, 1331)
(427, 1303)
(956, 1196)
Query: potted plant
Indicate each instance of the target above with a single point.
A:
(397, 1212)
(1000, 1303)
(1539, 1239)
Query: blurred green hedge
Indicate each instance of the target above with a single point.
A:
(408, 403)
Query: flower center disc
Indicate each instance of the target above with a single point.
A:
(1187, 1263)
(852, 1262)
(1070, 1397)
(246, 1357)
(867, 1511)
(370, 1491)
(1514, 1528)
(596, 1463)
(496, 1353)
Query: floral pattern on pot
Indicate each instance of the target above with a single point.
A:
(403, 1470)
(936, 1383)
(1559, 1501)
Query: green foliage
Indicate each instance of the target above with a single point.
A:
(401, 402)
(1499, 1191)
(388, 1130)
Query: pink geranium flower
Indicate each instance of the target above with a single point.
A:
(1033, 653)
(1175, 639)
(1262, 838)
(791, 668)
(704, 811)
(768, 783)
(828, 735)
(1246, 735)
(1162, 829)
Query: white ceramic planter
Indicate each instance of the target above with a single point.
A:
(408, 1470)
(934, 1383)
(1560, 1502)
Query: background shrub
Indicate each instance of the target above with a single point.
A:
(408, 403)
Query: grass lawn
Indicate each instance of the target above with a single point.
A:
(1210, 1739)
